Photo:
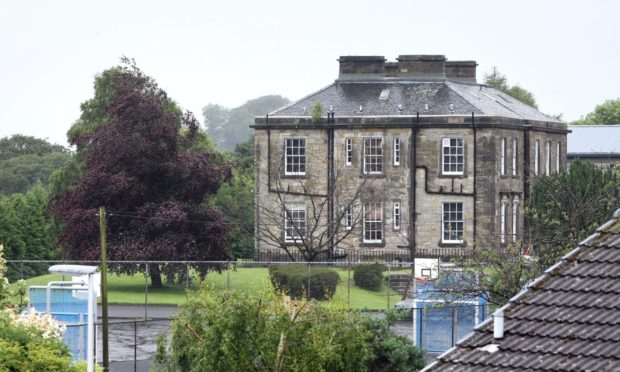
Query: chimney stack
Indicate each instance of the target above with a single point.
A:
(422, 67)
(464, 71)
(361, 67)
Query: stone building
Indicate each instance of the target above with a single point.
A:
(407, 154)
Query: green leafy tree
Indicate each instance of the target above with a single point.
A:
(499, 81)
(607, 112)
(26, 231)
(239, 332)
(235, 200)
(26, 160)
(229, 127)
(567, 207)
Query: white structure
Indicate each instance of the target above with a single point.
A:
(89, 271)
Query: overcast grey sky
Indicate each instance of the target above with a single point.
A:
(566, 52)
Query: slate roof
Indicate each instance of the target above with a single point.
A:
(568, 319)
(594, 140)
(408, 97)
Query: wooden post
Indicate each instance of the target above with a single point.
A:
(104, 288)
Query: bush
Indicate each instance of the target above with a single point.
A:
(24, 347)
(389, 351)
(237, 331)
(369, 276)
(293, 280)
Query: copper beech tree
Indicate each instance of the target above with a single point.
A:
(147, 163)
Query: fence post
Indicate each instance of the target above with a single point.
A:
(308, 289)
(425, 327)
(349, 284)
(453, 323)
(135, 345)
(187, 284)
(146, 289)
(228, 276)
(389, 281)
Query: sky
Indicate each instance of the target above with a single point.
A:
(565, 52)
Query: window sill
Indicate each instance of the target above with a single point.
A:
(373, 244)
(294, 176)
(448, 175)
(455, 244)
(373, 175)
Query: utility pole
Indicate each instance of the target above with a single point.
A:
(104, 288)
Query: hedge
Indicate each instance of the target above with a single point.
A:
(369, 276)
(293, 280)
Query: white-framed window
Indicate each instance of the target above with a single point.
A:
(348, 219)
(453, 158)
(502, 158)
(396, 151)
(515, 218)
(557, 157)
(373, 156)
(295, 156)
(515, 170)
(548, 159)
(537, 158)
(294, 222)
(396, 215)
(373, 223)
(452, 222)
(348, 151)
(502, 221)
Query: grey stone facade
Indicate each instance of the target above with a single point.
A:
(377, 101)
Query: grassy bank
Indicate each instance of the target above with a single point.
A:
(130, 289)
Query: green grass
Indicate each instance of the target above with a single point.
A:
(130, 289)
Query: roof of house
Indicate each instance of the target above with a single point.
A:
(591, 140)
(567, 319)
(406, 97)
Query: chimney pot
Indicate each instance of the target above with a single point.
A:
(498, 325)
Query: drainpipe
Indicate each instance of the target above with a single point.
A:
(330, 183)
(473, 124)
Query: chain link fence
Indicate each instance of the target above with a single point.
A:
(139, 313)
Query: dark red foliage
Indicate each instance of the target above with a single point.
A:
(153, 190)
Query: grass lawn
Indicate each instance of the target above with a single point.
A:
(130, 289)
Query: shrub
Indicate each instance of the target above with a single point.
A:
(25, 347)
(237, 331)
(369, 276)
(293, 280)
(389, 351)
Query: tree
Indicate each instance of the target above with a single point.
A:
(235, 200)
(493, 271)
(26, 160)
(229, 127)
(236, 331)
(607, 112)
(330, 213)
(143, 161)
(567, 207)
(26, 231)
(499, 81)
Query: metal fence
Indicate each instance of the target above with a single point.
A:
(134, 328)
